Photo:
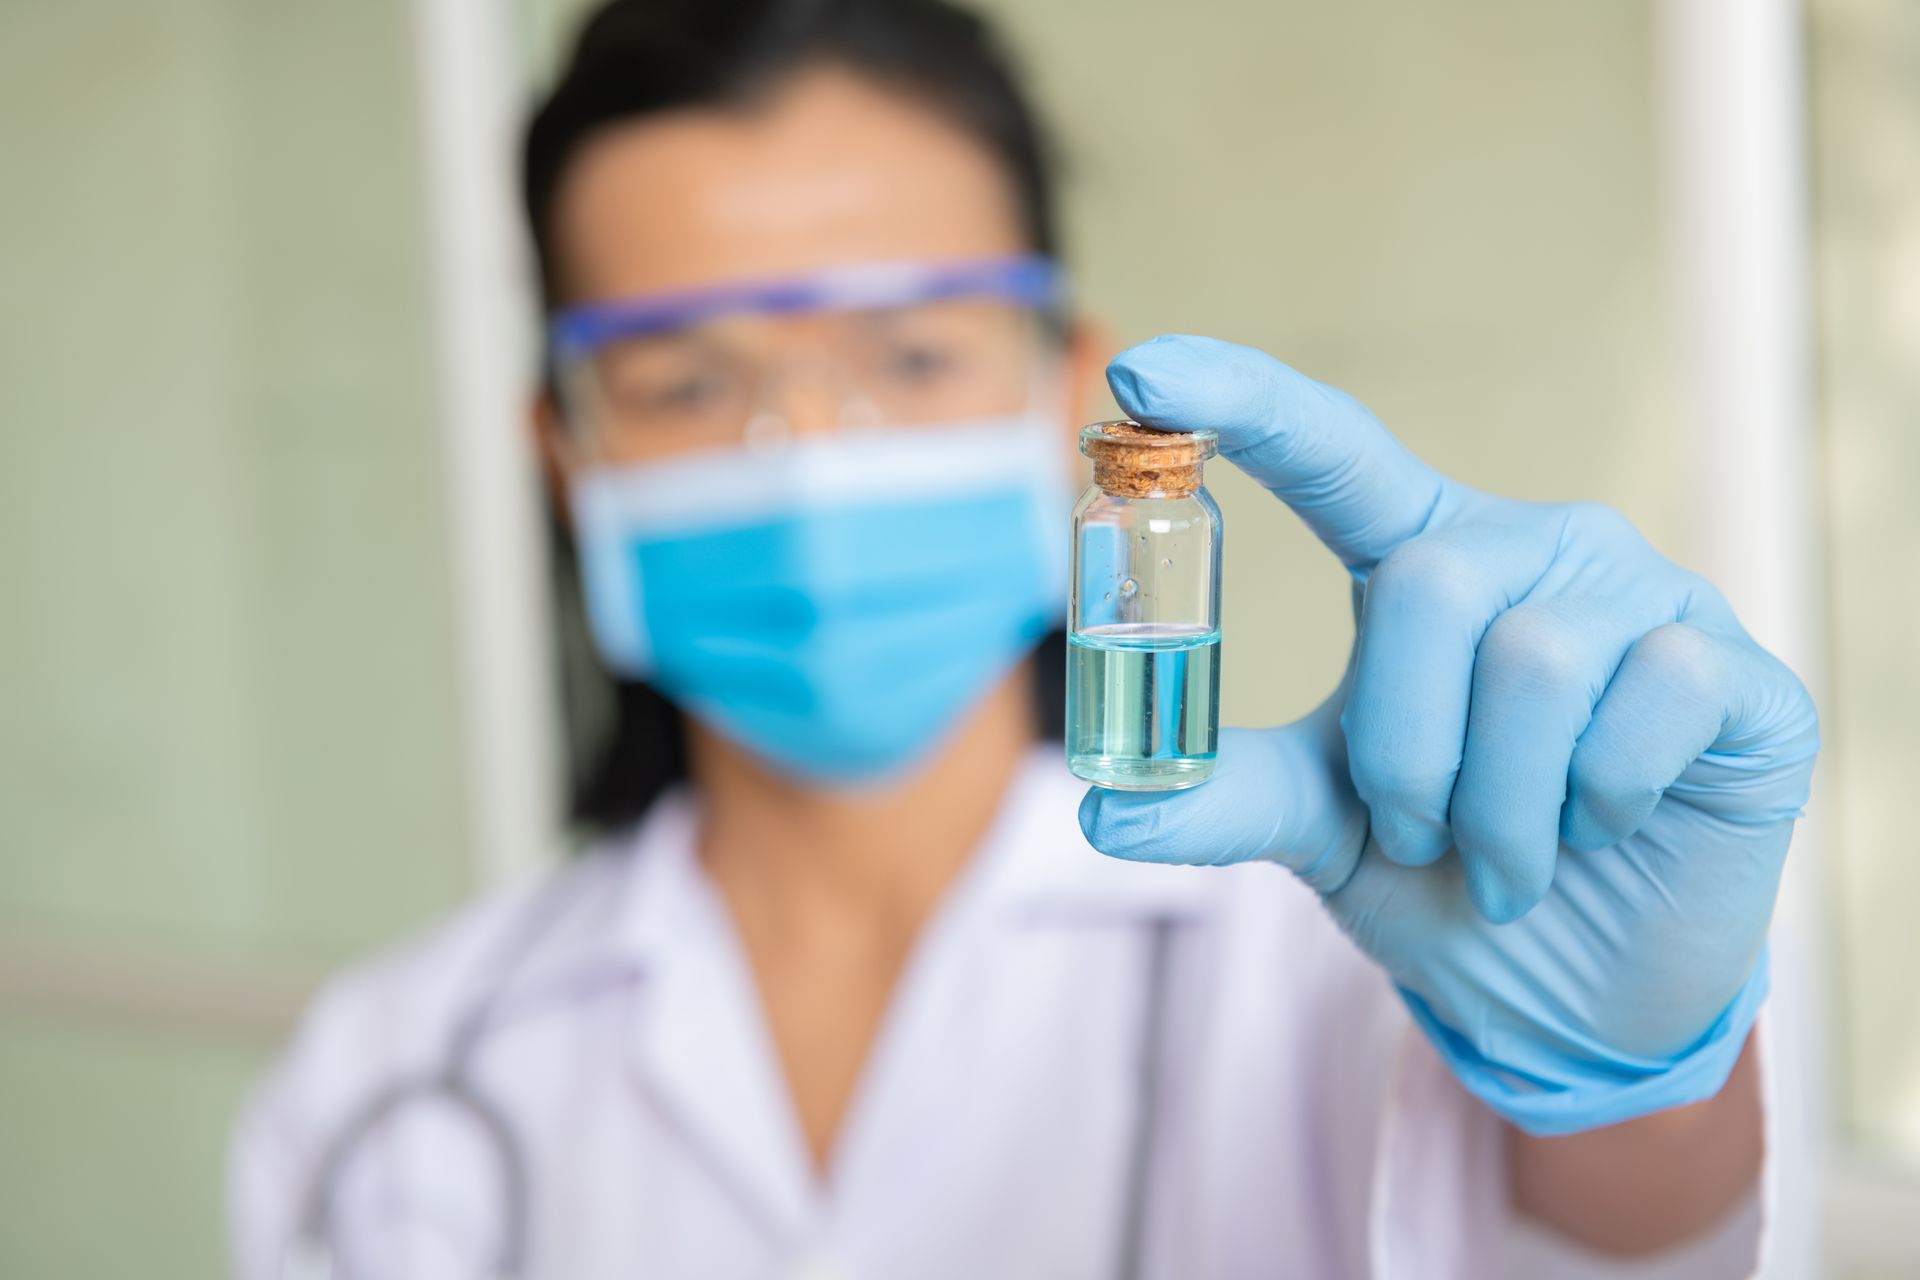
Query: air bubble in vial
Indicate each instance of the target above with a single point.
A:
(1128, 587)
(1168, 562)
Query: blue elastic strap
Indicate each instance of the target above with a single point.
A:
(1032, 279)
(1593, 1094)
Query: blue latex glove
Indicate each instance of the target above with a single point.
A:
(1551, 796)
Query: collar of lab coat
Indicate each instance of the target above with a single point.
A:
(708, 1062)
(642, 895)
(1033, 866)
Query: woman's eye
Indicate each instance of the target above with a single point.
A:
(688, 393)
(921, 363)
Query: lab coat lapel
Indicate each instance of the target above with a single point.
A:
(945, 1037)
(702, 1056)
(904, 1120)
(699, 1050)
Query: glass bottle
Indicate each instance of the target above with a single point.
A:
(1143, 613)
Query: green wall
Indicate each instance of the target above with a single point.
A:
(1866, 170)
(227, 756)
(115, 1143)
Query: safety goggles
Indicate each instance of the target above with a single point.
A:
(870, 345)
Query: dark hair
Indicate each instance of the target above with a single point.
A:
(634, 58)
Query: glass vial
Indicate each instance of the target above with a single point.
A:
(1143, 614)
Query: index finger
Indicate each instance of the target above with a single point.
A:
(1314, 447)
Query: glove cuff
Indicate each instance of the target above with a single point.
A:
(1590, 1093)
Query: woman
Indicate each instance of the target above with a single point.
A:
(842, 990)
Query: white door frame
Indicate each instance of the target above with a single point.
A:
(472, 98)
(1734, 136)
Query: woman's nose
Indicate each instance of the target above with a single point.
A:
(808, 406)
(807, 396)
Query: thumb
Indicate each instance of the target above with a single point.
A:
(1315, 448)
(1276, 794)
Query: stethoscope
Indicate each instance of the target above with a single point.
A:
(451, 1085)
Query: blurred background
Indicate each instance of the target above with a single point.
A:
(275, 684)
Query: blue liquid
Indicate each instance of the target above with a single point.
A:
(1143, 706)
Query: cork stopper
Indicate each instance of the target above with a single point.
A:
(1132, 461)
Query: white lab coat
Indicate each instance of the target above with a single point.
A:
(1301, 1128)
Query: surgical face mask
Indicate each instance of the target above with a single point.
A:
(833, 605)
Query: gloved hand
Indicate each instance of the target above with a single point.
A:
(1551, 795)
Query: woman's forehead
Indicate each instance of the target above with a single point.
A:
(834, 168)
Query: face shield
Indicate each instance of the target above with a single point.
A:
(824, 514)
